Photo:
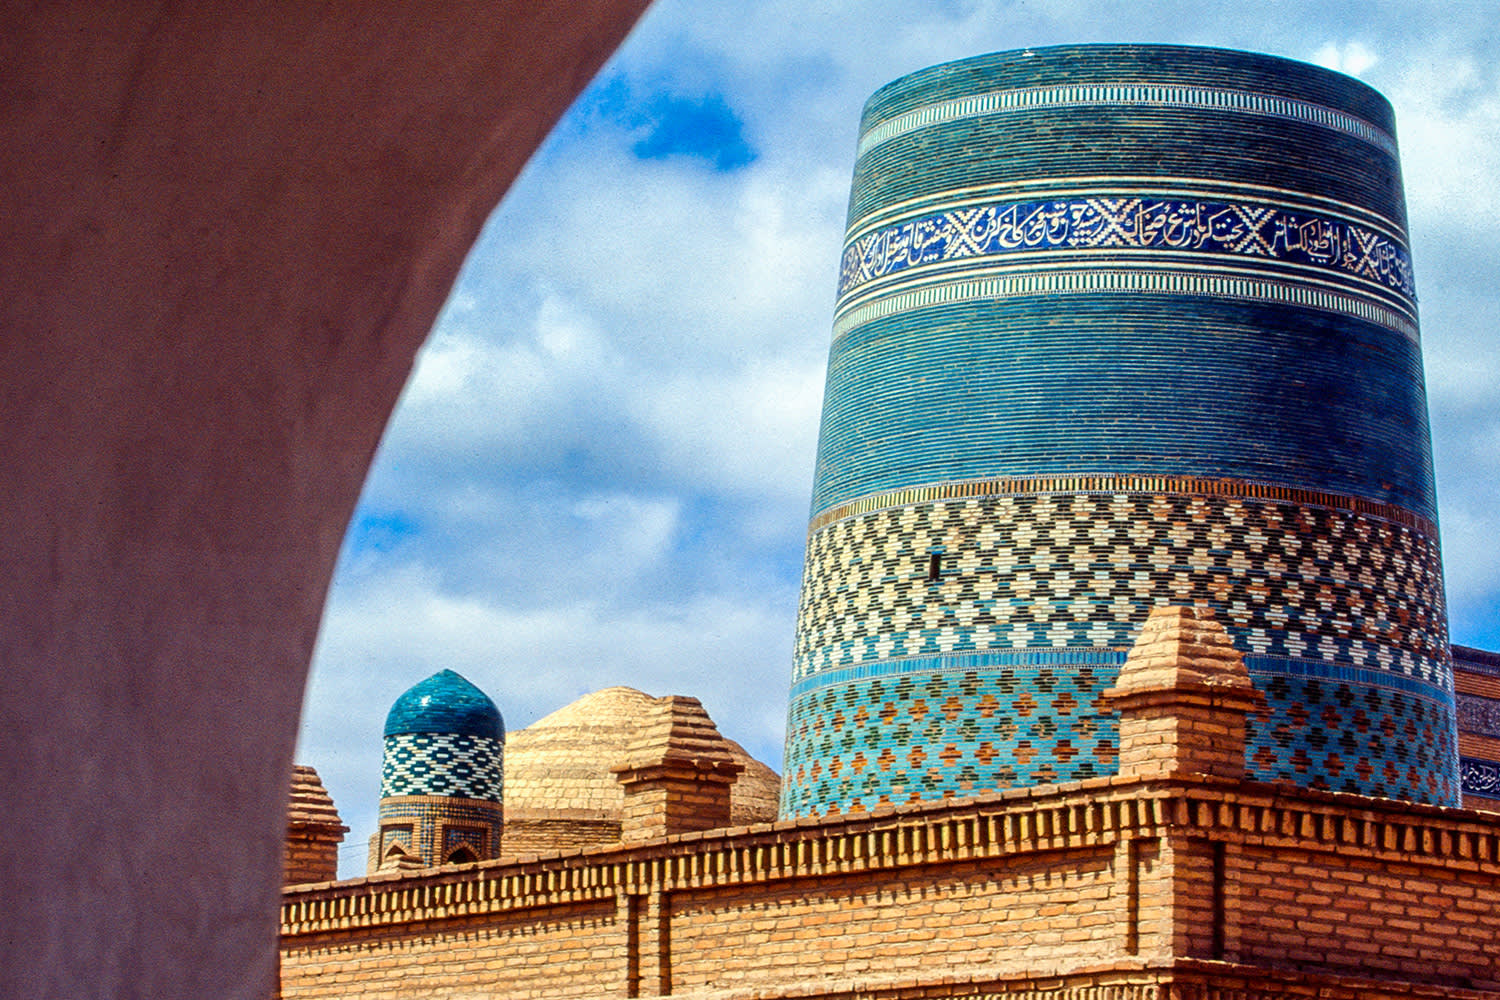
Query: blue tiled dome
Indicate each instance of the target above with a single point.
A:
(445, 703)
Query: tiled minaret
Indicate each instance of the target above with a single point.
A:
(1119, 327)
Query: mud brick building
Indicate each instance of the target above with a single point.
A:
(560, 791)
(1122, 665)
(1174, 877)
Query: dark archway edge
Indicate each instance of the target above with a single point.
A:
(226, 230)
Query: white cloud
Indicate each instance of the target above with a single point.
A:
(680, 319)
(1449, 126)
(1469, 563)
(640, 532)
(751, 431)
(1349, 57)
(679, 264)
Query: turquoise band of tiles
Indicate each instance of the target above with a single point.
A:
(1002, 102)
(1119, 326)
(1070, 278)
(1096, 384)
(1260, 667)
(917, 734)
(960, 663)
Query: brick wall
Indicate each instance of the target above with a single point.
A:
(1169, 874)
(1364, 913)
(894, 922)
(1087, 881)
(309, 859)
(549, 953)
(549, 831)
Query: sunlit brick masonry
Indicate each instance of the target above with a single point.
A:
(1173, 878)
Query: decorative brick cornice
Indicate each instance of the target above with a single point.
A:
(310, 809)
(679, 735)
(1477, 660)
(1092, 814)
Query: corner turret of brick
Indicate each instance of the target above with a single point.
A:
(1183, 695)
(676, 774)
(313, 831)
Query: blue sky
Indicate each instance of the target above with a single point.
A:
(600, 471)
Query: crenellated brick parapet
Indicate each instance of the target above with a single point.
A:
(1175, 878)
(1104, 874)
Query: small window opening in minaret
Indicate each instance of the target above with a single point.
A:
(462, 855)
(934, 567)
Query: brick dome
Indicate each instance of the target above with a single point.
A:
(562, 762)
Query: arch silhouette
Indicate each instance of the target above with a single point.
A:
(463, 854)
(227, 229)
